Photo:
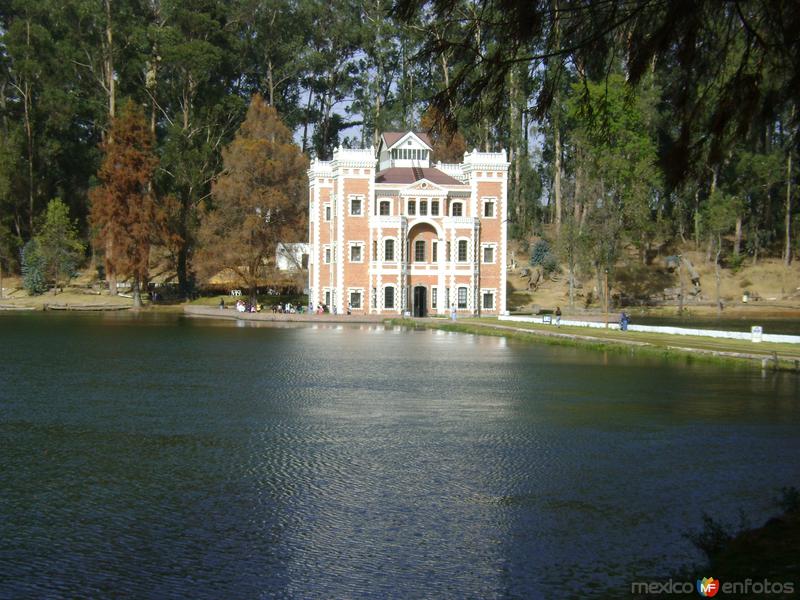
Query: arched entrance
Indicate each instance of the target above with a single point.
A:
(420, 301)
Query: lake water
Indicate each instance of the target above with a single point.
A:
(160, 457)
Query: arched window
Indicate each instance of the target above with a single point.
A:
(462, 297)
(388, 250)
(419, 251)
(462, 250)
(388, 297)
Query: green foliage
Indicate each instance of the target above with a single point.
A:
(33, 268)
(720, 213)
(735, 262)
(539, 252)
(58, 242)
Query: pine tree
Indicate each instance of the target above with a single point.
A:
(59, 243)
(260, 199)
(123, 210)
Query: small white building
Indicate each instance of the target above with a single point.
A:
(292, 257)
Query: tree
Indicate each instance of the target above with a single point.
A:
(720, 217)
(259, 199)
(123, 210)
(58, 243)
(33, 268)
(448, 146)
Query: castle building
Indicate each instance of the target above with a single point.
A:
(391, 234)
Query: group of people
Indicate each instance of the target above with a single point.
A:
(287, 309)
(325, 309)
(242, 306)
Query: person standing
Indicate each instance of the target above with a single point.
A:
(558, 316)
(453, 312)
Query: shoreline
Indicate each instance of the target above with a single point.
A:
(767, 355)
(766, 358)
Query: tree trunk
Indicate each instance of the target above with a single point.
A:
(111, 275)
(737, 242)
(109, 63)
(1, 280)
(571, 285)
(557, 174)
(137, 293)
(787, 257)
(182, 270)
(717, 273)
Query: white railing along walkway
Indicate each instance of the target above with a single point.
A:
(755, 335)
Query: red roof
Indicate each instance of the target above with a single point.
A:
(390, 138)
(411, 174)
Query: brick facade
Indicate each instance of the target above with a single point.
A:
(390, 234)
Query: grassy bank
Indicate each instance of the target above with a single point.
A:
(737, 352)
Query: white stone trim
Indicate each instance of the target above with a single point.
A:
(493, 292)
(458, 241)
(355, 290)
(382, 299)
(338, 257)
(382, 199)
(460, 286)
(493, 246)
(502, 308)
(396, 257)
(352, 244)
(484, 201)
(350, 198)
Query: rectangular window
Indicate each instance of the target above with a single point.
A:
(355, 207)
(419, 251)
(374, 297)
(435, 209)
(355, 300)
(327, 256)
(488, 301)
(328, 298)
(327, 212)
(386, 208)
(412, 207)
(423, 208)
(434, 296)
(388, 297)
(447, 297)
(488, 209)
(456, 209)
(488, 254)
(462, 297)
(448, 256)
(462, 250)
(434, 251)
(355, 253)
(388, 250)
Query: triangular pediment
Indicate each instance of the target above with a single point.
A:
(408, 139)
(424, 186)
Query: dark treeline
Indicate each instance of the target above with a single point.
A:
(629, 125)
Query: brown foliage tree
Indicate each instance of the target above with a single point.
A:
(448, 147)
(123, 213)
(260, 199)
